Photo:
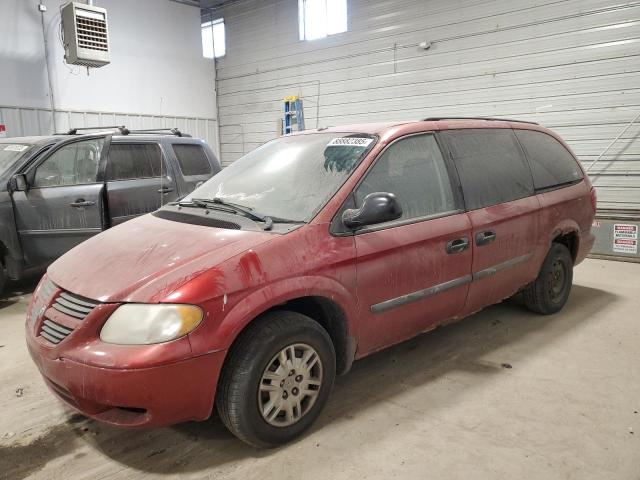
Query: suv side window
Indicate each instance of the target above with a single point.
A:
(192, 159)
(551, 163)
(135, 160)
(73, 164)
(491, 166)
(414, 170)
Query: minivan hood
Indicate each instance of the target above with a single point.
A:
(145, 259)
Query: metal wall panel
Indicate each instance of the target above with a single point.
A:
(572, 65)
(24, 121)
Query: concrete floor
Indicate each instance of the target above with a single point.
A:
(445, 405)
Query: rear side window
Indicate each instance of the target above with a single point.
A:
(413, 169)
(551, 163)
(192, 159)
(491, 166)
(131, 160)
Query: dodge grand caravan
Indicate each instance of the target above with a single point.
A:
(312, 251)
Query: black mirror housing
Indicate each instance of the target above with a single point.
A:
(377, 207)
(19, 183)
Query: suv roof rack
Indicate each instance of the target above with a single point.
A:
(125, 131)
(74, 130)
(434, 119)
(159, 131)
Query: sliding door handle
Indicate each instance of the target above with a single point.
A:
(458, 245)
(486, 237)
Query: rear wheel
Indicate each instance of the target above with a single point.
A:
(277, 379)
(549, 292)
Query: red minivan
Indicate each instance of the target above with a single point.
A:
(312, 251)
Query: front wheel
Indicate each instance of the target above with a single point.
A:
(277, 379)
(3, 280)
(549, 292)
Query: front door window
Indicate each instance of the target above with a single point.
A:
(74, 164)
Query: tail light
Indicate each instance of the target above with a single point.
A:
(594, 199)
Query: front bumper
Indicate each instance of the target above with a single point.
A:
(122, 385)
(140, 397)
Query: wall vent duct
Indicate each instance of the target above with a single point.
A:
(86, 39)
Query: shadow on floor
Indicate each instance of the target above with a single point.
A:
(472, 345)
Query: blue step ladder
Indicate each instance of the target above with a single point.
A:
(293, 115)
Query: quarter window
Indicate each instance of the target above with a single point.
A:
(414, 171)
(551, 163)
(73, 164)
(490, 165)
(192, 159)
(131, 160)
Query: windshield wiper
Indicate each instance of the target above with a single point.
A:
(216, 204)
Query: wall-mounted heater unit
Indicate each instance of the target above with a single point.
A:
(84, 29)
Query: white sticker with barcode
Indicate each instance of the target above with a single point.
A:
(16, 148)
(350, 142)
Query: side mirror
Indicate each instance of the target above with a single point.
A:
(377, 207)
(19, 183)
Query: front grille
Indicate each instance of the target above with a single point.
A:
(73, 305)
(92, 33)
(54, 332)
(69, 309)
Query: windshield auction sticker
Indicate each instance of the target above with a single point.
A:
(625, 238)
(350, 142)
(16, 148)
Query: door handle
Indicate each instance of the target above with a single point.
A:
(165, 190)
(458, 245)
(483, 238)
(81, 202)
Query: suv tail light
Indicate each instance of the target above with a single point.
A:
(594, 199)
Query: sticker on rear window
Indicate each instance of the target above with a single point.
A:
(350, 142)
(16, 148)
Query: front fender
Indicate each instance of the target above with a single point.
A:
(213, 335)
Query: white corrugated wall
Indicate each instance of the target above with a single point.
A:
(25, 121)
(571, 65)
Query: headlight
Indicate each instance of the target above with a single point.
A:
(141, 324)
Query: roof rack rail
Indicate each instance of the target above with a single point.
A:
(435, 119)
(74, 131)
(159, 131)
(125, 131)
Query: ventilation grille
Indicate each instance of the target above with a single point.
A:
(92, 33)
(195, 220)
(85, 35)
(73, 308)
(54, 332)
(73, 305)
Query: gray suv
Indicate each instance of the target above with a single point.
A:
(59, 190)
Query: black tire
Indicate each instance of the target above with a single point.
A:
(238, 397)
(3, 280)
(549, 292)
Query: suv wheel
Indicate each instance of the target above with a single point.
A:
(277, 379)
(549, 292)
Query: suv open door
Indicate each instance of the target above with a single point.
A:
(61, 202)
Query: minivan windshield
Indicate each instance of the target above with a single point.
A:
(290, 178)
(9, 153)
